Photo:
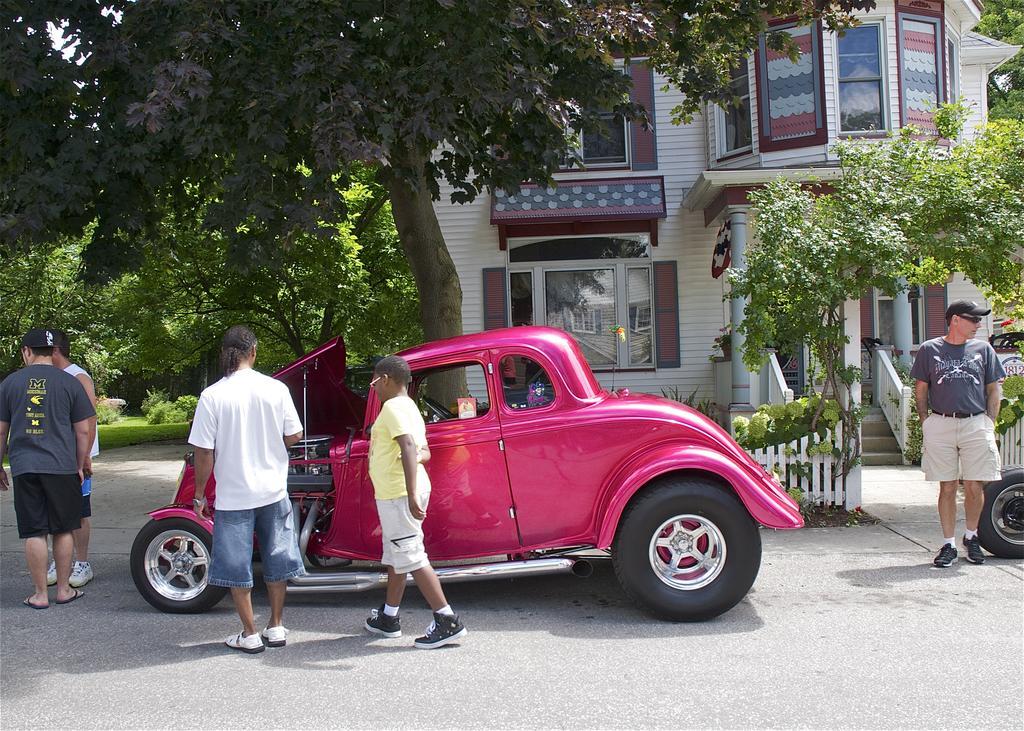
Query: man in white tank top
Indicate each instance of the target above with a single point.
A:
(81, 570)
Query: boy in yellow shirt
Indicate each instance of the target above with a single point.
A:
(398, 449)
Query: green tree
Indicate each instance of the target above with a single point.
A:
(903, 207)
(262, 106)
(1004, 21)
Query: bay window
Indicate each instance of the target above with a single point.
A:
(861, 79)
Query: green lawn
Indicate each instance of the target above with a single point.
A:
(134, 430)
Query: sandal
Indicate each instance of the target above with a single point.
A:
(30, 605)
(77, 595)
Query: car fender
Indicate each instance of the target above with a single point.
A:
(764, 500)
(178, 511)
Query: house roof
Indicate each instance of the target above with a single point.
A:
(979, 49)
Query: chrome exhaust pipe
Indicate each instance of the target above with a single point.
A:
(353, 581)
(582, 568)
(307, 527)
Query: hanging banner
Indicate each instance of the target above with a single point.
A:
(722, 256)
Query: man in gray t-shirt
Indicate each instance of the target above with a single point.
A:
(959, 378)
(46, 415)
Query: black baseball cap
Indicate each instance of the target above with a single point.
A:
(966, 307)
(39, 337)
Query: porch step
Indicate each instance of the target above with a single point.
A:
(870, 460)
(878, 445)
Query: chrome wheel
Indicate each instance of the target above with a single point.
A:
(1008, 514)
(687, 552)
(176, 565)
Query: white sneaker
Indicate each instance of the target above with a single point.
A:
(251, 644)
(275, 636)
(51, 573)
(81, 574)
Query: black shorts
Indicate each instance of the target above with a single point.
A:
(47, 504)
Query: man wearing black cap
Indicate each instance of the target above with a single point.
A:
(960, 378)
(46, 414)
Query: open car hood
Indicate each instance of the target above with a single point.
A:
(330, 405)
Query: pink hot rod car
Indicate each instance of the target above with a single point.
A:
(535, 470)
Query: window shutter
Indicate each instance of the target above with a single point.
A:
(495, 298)
(643, 144)
(666, 314)
(935, 311)
(867, 317)
(921, 64)
(791, 95)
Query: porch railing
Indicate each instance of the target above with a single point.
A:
(778, 391)
(816, 476)
(892, 396)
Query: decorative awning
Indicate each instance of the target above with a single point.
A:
(581, 200)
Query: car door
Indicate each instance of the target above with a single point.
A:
(470, 511)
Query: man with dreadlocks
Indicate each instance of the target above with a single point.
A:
(243, 427)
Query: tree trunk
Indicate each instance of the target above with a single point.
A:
(431, 264)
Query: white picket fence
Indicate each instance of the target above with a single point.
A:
(1011, 445)
(824, 486)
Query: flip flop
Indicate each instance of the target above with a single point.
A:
(30, 605)
(78, 594)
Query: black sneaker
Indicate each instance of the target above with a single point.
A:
(946, 556)
(974, 553)
(444, 629)
(381, 624)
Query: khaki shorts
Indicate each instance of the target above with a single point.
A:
(960, 449)
(402, 534)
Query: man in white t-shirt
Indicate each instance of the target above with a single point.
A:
(243, 426)
(81, 569)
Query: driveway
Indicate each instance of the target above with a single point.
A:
(845, 628)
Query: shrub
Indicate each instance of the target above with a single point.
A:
(188, 405)
(165, 412)
(780, 424)
(153, 397)
(705, 405)
(915, 439)
(107, 414)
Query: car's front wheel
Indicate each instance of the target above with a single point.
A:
(1001, 528)
(687, 550)
(170, 564)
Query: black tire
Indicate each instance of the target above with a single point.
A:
(710, 504)
(182, 538)
(1001, 529)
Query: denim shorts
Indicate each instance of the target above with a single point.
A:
(231, 564)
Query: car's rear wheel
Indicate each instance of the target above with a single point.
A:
(687, 550)
(170, 564)
(1001, 528)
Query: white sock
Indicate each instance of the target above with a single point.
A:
(390, 610)
(951, 541)
(446, 609)
(968, 535)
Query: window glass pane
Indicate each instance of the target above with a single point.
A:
(583, 303)
(452, 392)
(521, 296)
(737, 126)
(639, 339)
(607, 145)
(860, 105)
(954, 70)
(619, 246)
(885, 322)
(859, 53)
(525, 384)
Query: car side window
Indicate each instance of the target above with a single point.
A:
(450, 392)
(525, 383)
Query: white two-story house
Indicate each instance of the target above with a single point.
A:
(630, 241)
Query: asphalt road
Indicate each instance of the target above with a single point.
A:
(845, 628)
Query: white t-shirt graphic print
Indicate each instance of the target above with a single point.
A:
(244, 418)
